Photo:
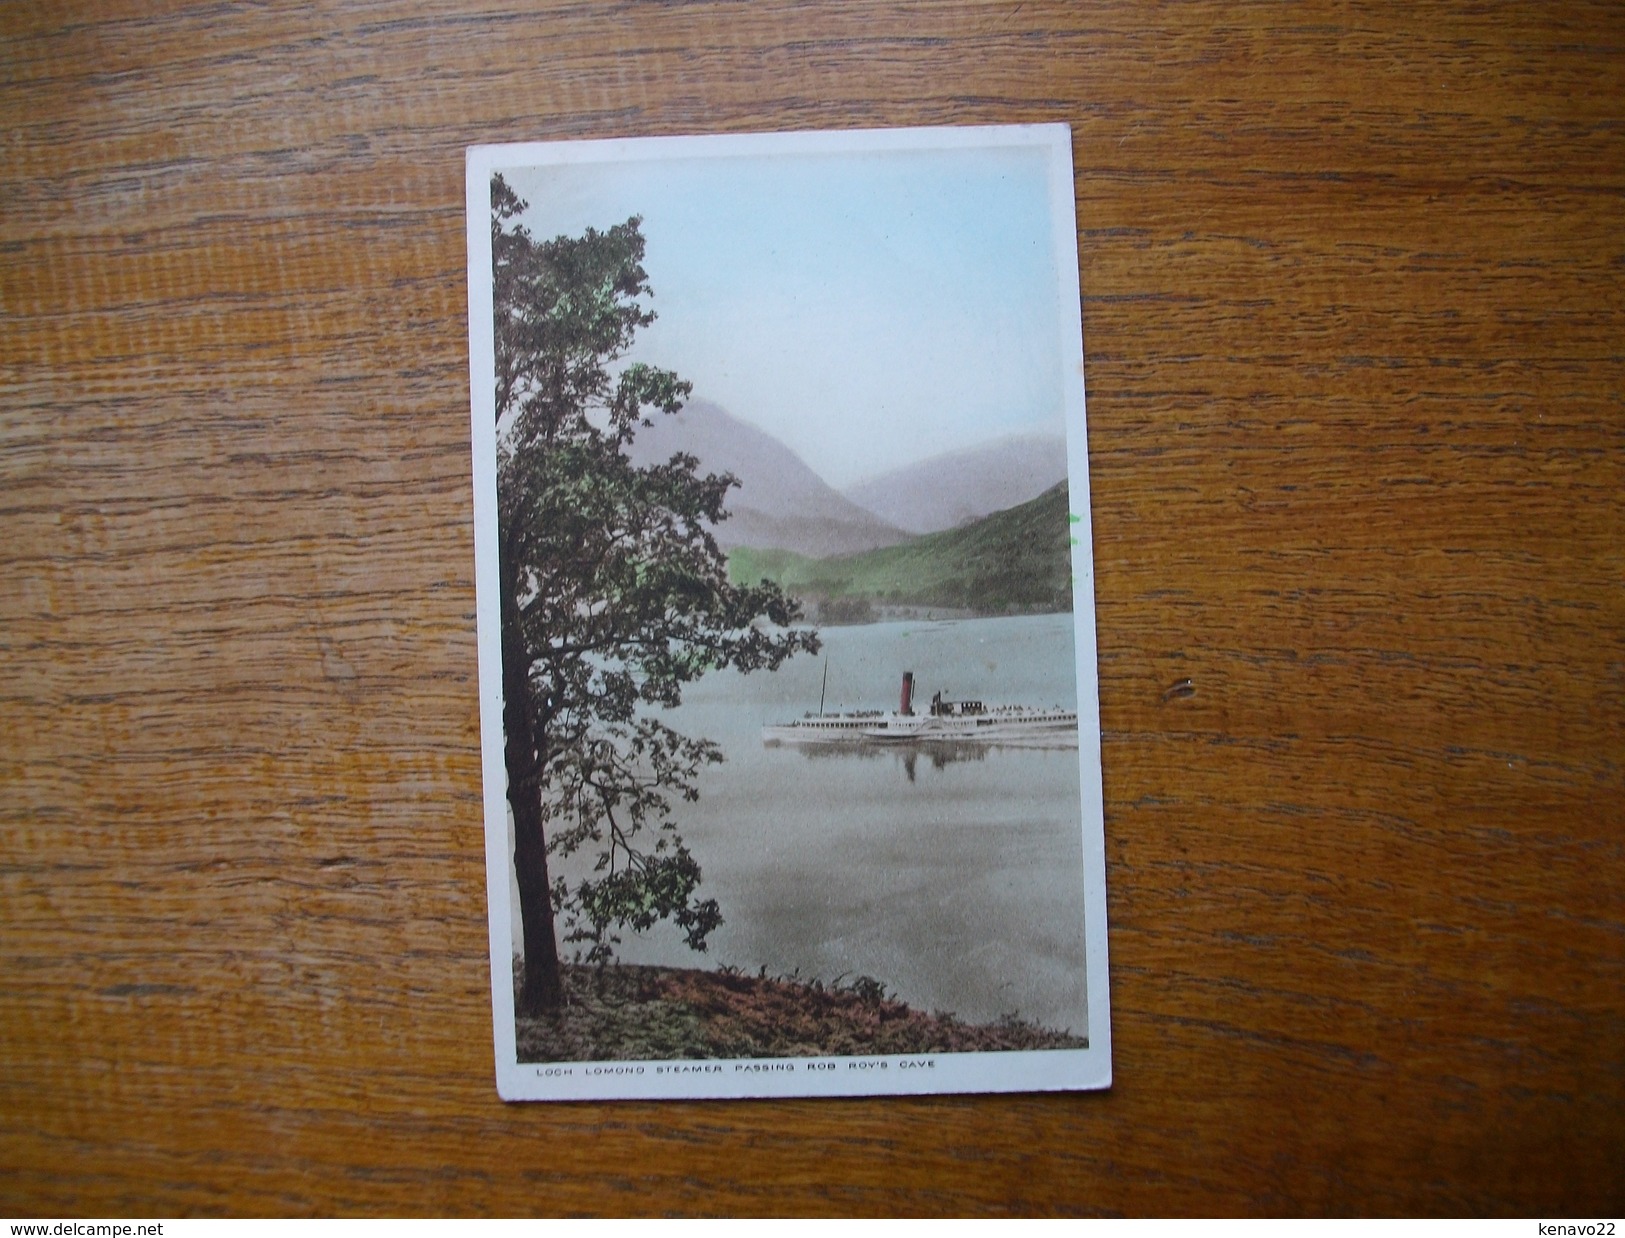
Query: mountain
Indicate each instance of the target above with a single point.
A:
(1014, 561)
(947, 491)
(780, 501)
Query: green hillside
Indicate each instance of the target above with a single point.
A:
(1014, 561)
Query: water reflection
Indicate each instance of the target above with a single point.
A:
(937, 754)
(952, 869)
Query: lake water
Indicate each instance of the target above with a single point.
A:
(955, 877)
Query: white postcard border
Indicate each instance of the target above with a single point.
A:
(890, 1074)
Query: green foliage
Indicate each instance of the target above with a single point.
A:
(615, 592)
(1018, 560)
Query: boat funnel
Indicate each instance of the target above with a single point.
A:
(907, 707)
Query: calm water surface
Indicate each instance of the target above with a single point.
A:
(956, 877)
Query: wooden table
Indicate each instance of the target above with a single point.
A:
(1353, 317)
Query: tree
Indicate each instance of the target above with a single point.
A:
(614, 595)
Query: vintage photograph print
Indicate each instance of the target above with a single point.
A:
(789, 706)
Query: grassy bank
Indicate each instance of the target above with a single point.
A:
(625, 1013)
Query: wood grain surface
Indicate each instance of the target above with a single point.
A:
(1352, 279)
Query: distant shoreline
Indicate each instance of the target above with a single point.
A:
(1013, 562)
(820, 614)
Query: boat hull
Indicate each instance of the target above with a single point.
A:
(999, 725)
(1015, 725)
(817, 731)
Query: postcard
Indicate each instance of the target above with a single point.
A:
(789, 708)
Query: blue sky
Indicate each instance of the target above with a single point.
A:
(868, 309)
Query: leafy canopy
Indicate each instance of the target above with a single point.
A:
(619, 593)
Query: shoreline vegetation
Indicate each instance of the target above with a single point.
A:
(624, 1012)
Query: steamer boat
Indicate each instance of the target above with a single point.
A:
(955, 721)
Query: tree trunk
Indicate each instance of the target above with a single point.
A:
(541, 989)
